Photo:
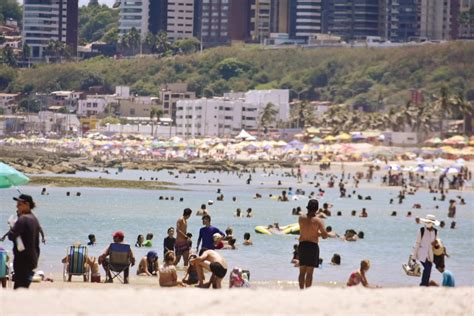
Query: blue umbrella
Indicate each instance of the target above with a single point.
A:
(9, 177)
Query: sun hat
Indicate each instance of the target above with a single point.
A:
(430, 219)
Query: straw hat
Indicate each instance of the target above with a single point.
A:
(430, 219)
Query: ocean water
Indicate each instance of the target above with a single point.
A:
(388, 240)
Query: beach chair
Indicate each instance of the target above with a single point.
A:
(3, 265)
(76, 263)
(119, 261)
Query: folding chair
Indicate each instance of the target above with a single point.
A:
(119, 261)
(76, 263)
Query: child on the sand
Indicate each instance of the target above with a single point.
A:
(168, 274)
(191, 276)
(359, 276)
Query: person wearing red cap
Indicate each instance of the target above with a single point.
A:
(118, 238)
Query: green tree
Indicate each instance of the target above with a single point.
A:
(7, 75)
(187, 46)
(10, 9)
(8, 56)
(109, 120)
(268, 115)
(95, 21)
(155, 113)
(163, 46)
(57, 50)
(231, 67)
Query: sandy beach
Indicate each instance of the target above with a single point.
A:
(92, 299)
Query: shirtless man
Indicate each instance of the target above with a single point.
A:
(182, 245)
(213, 261)
(311, 227)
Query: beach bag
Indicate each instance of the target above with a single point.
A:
(412, 268)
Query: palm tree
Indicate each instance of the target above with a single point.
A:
(158, 113)
(163, 46)
(134, 40)
(150, 42)
(268, 115)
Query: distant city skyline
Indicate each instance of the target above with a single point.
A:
(84, 2)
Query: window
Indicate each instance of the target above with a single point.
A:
(132, 111)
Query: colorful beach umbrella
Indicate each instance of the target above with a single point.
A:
(9, 177)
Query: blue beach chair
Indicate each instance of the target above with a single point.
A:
(118, 262)
(4, 267)
(76, 263)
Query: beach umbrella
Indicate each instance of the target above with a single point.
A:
(460, 162)
(343, 137)
(451, 170)
(9, 177)
(329, 138)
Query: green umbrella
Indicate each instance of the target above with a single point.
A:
(11, 177)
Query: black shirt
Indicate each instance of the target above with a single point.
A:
(27, 227)
(168, 244)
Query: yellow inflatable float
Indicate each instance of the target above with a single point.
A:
(293, 229)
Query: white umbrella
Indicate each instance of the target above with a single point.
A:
(451, 170)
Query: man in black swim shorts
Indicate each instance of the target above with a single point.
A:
(311, 228)
(210, 260)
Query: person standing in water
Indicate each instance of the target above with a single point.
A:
(423, 250)
(182, 245)
(311, 228)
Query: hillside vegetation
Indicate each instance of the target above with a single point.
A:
(372, 77)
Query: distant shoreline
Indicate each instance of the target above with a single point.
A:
(101, 183)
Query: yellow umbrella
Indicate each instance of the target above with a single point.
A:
(344, 136)
(329, 138)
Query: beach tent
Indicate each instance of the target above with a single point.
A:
(243, 135)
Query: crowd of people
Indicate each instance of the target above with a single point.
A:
(26, 234)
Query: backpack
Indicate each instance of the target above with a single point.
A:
(422, 230)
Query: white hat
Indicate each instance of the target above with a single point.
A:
(216, 237)
(430, 219)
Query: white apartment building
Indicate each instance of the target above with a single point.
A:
(92, 105)
(227, 116)
(49, 20)
(180, 22)
(216, 117)
(134, 14)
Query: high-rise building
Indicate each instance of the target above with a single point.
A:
(353, 19)
(239, 20)
(46, 20)
(143, 15)
(280, 18)
(305, 18)
(180, 19)
(399, 20)
(465, 22)
(214, 29)
(435, 19)
(260, 15)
